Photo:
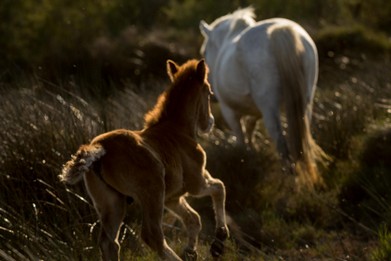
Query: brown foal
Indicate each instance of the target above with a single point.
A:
(157, 166)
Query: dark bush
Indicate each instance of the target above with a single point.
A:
(352, 41)
(366, 195)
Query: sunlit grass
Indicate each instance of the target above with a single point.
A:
(43, 124)
(383, 251)
(41, 127)
(354, 38)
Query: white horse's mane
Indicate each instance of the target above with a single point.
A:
(244, 15)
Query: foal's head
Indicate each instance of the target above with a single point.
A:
(192, 76)
(187, 101)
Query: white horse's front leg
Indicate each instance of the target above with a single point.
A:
(233, 120)
(249, 124)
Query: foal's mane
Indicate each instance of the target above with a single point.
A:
(171, 101)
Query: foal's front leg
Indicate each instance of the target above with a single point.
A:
(151, 231)
(192, 222)
(216, 189)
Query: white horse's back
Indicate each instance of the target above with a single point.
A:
(254, 48)
(268, 65)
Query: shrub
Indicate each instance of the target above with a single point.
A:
(383, 251)
(366, 195)
(352, 40)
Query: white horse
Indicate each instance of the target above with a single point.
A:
(258, 68)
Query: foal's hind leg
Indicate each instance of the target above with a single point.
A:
(192, 222)
(111, 206)
(216, 189)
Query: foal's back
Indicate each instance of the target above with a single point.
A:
(156, 154)
(127, 158)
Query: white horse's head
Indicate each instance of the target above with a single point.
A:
(223, 29)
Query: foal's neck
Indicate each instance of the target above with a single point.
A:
(175, 113)
(178, 125)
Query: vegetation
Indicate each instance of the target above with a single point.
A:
(71, 70)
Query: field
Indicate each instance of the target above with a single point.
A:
(43, 123)
(44, 118)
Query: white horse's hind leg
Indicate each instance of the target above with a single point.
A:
(233, 120)
(192, 222)
(272, 123)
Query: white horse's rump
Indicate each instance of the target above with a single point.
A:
(255, 68)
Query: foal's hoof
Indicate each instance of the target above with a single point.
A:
(189, 255)
(217, 247)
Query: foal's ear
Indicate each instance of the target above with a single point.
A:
(204, 28)
(172, 69)
(202, 70)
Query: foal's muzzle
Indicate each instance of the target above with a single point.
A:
(211, 122)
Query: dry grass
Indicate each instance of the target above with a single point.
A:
(42, 124)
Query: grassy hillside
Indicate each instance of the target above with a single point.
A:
(57, 94)
(43, 124)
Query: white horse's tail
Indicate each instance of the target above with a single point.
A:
(74, 170)
(288, 50)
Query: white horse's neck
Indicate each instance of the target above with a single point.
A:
(237, 26)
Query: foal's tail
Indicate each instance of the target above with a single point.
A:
(289, 50)
(74, 170)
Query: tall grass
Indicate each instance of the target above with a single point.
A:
(383, 251)
(41, 127)
(42, 124)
